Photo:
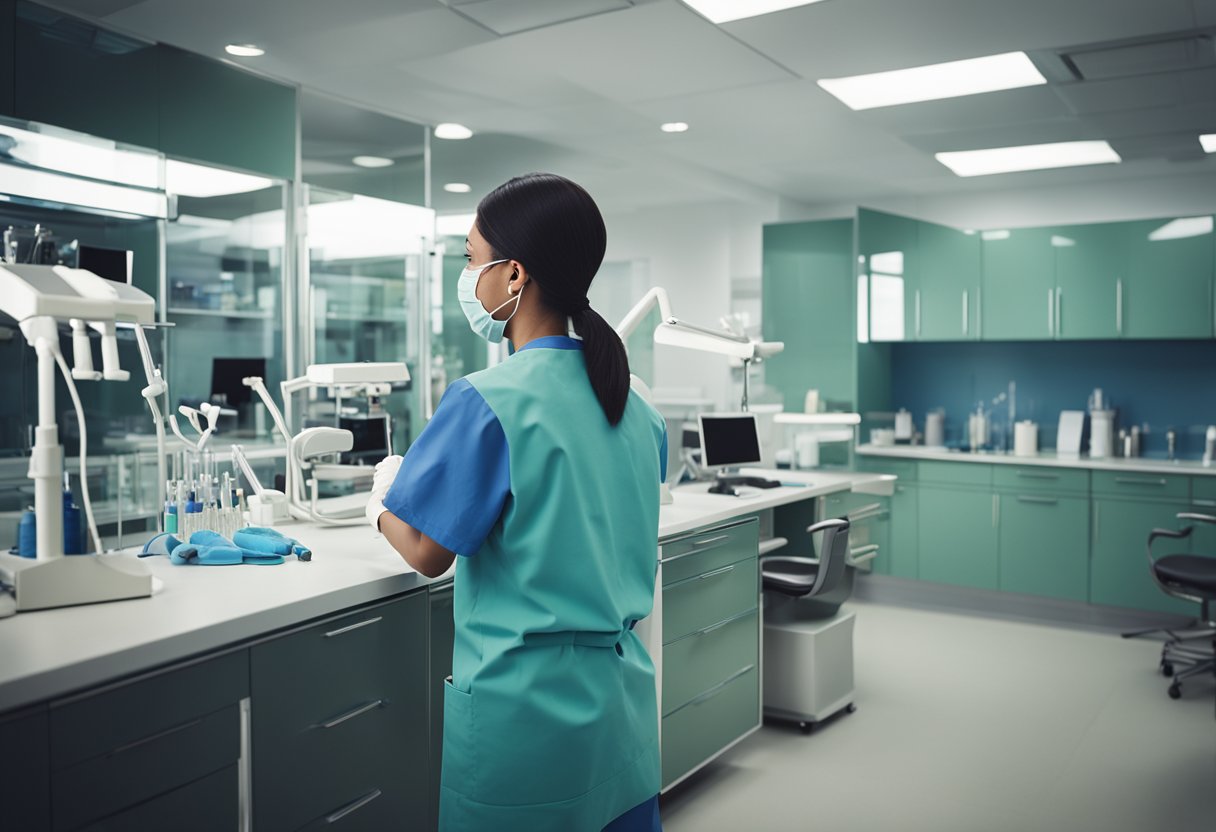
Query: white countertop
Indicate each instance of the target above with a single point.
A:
(1188, 467)
(50, 653)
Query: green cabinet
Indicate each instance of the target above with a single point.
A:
(1044, 544)
(887, 260)
(1120, 568)
(946, 284)
(808, 292)
(1090, 270)
(957, 536)
(1019, 297)
(1168, 290)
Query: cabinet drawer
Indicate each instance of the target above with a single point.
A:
(707, 550)
(697, 662)
(1203, 490)
(145, 769)
(905, 469)
(1131, 483)
(211, 804)
(955, 473)
(706, 599)
(709, 723)
(99, 723)
(1029, 478)
(25, 769)
(372, 809)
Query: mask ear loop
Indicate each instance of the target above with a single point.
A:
(514, 300)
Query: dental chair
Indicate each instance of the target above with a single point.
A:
(808, 639)
(1186, 653)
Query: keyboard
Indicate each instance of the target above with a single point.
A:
(753, 482)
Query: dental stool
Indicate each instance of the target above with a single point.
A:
(808, 639)
(1189, 651)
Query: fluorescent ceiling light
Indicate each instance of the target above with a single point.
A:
(989, 236)
(457, 188)
(887, 262)
(724, 11)
(364, 227)
(1028, 157)
(83, 193)
(1062, 242)
(1181, 228)
(186, 179)
(372, 161)
(244, 50)
(1208, 140)
(928, 83)
(454, 225)
(448, 130)
(83, 156)
(673, 127)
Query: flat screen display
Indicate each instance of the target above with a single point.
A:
(226, 375)
(729, 440)
(111, 263)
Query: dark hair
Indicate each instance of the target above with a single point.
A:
(554, 228)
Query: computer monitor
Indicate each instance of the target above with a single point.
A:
(110, 263)
(226, 376)
(372, 438)
(729, 440)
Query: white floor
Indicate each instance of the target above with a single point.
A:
(976, 725)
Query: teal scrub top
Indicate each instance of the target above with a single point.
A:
(550, 720)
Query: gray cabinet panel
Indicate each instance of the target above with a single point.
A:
(25, 770)
(442, 637)
(210, 804)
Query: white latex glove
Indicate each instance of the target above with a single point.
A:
(382, 481)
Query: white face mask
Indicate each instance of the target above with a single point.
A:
(481, 321)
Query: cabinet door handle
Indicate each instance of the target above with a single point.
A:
(351, 714)
(702, 698)
(1041, 501)
(996, 510)
(702, 545)
(159, 735)
(966, 312)
(1097, 522)
(706, 576)
(1139, 481)
(1059, 313)
(917, 299)
(353, 807)
(1028, 475)
(1051, 311)
(712, 627)
(979, 312)
(347, 629)
(1119, 306)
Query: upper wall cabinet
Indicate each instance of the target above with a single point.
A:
(946, 294)
(1167, 292)
(1090, 267)
(8, 22)
(1019, 290)
(887, 266)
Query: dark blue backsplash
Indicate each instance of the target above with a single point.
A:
(1154, 384)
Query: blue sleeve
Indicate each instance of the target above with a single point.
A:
(456, 478)
(663, 457)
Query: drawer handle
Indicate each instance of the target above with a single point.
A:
(865, 513)
(353, 807)
(702, 698)
(1138, 481)
(342, 630)
(723, 623)
(699, 546)
(706, 576)
(1204, 503)
(160, 735)
(349, 715)
(1031, 476)
(1038, 501)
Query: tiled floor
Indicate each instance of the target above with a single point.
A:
(977, 725)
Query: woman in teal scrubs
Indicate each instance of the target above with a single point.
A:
(540, 478)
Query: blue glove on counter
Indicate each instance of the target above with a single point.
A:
(208, 548)
(270, 541)
(162, 544)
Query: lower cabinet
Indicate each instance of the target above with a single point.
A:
(25, 769)
(1121, 576)
(710, 611)
(340, 732)
(957, 536)
(443, 634)
(1044, 545)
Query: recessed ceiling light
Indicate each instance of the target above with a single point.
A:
(1028, 157)
(244, 50)
(1209, 142)
(448, 130)
(188, 179)
(372, 161)
(928, 83)
(1182, 228)
(673, 127)
(990, 236)
(724, 11)
(457, 188)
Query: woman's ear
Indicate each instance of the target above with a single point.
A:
(519, 277)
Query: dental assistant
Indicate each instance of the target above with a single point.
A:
(540, 477)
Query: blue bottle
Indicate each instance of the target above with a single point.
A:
(73, 529)
(27, 535)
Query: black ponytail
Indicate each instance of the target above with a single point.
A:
(555, 229)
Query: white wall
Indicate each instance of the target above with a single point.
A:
(694, 251)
